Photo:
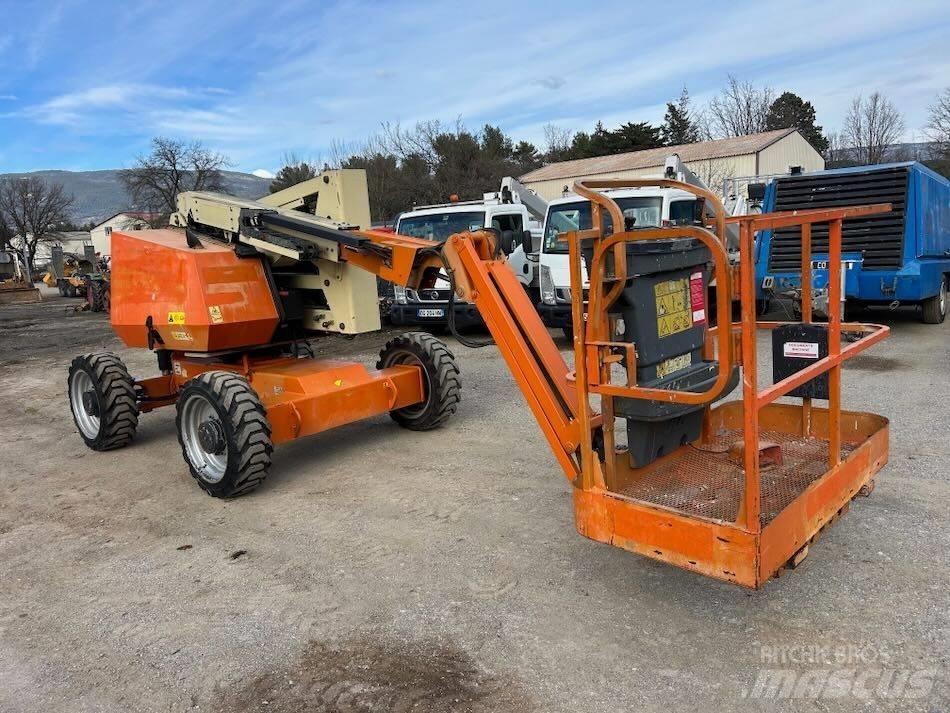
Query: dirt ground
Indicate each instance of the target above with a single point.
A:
(379, 569)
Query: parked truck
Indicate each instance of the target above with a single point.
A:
(644, 207)
(901, 257)
(428, 306)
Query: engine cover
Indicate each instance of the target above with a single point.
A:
(199, 299)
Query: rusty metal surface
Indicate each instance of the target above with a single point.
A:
(705, 481)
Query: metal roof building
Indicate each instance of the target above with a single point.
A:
(768, 153)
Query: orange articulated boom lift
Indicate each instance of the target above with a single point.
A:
(735, 491)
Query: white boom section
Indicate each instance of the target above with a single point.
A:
(513, 191)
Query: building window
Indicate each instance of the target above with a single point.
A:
(108, 230)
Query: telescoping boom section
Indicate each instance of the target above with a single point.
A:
(734, 490)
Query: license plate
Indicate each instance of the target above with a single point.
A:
(431, 312)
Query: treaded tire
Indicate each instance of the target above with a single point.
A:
(443, 384)
(114, 400)
(94, 296)
(244, 428)
(934, 309)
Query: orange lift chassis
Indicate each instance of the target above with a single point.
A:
(736, 491)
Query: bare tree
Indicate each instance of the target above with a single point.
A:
(871, 127)
(713, 173)
(938, 124)
(33, 208)
(6, 233)
(836, 154)
(173, 166)
(557, 143)
(740, 109)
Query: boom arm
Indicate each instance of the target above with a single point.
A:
(480, 274)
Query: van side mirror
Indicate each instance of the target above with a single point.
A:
(527, 242)
(506, 241)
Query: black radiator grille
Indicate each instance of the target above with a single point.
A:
(879, 238)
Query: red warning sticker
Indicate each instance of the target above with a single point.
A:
(697, 297)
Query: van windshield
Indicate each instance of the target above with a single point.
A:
(644, 212)
(439, 227)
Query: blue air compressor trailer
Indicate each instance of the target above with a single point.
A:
(902, 257)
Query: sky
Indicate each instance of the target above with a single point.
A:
(86, 85)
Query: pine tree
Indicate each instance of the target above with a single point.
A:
(791, 111)
(678, 125)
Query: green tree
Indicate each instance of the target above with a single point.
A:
(635, 137)
(495, 144)
(294, 171)
(526, 157)
(678, 124)
(791, 111)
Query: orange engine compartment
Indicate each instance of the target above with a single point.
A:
(200, 299)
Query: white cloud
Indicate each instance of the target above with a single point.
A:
(287, 93)
(262, 173)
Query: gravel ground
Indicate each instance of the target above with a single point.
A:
(380, 569)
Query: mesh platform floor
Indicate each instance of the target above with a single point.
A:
(704, 481)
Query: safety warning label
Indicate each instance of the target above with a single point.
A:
(673, 308)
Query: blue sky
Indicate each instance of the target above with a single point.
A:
(84, 85)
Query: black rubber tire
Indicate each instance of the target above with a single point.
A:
(441, 375)
(61, 286)
(246, 430)
(94, 296)
(115, 397)
(934, 309)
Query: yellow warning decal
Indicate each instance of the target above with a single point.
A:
(673, 311)
(176, 317)
(665, 368)
(215, 313)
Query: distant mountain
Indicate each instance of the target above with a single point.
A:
(99, 194)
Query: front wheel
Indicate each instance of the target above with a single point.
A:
(934, 309)
(102, 400)
(440, 376)
(224, 433)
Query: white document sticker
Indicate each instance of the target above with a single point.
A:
(801, 350)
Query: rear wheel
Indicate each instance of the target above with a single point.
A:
(224, 433)
(94, 296)
(440, 376)
(934, 309)
(102, 400)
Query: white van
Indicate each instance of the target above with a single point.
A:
(437, 223)
(642, 208)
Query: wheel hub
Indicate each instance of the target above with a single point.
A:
(211, 437)
(90, 403)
